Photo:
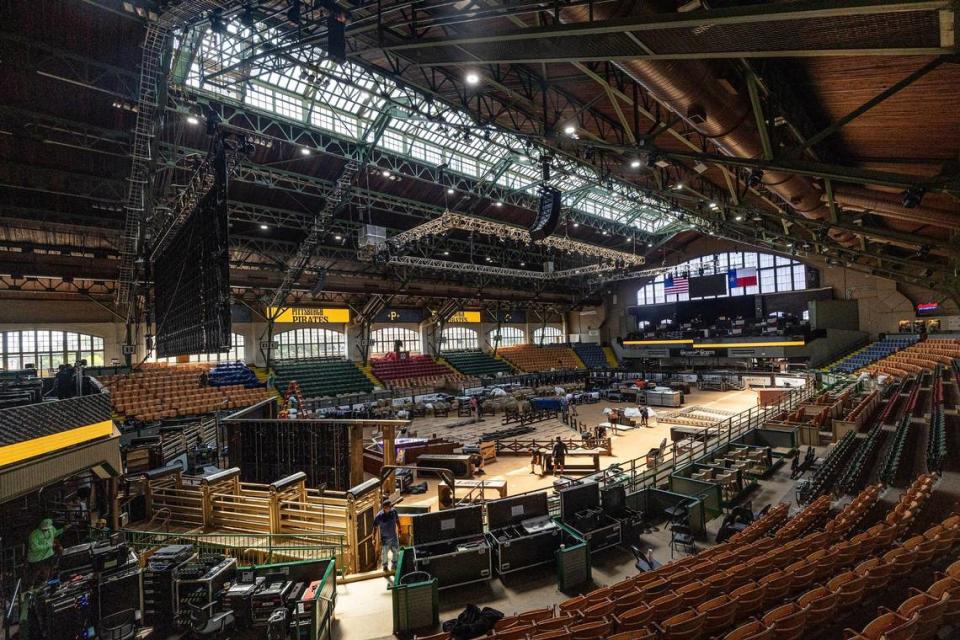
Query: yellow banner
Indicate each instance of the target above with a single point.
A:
(310, 315)
(747, 345)
(48, 444)
(465, 316)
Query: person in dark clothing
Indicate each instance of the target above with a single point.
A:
(644, 416)
(204, 378)
(386, 523)
(559, 455)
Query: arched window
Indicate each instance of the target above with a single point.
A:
(773, 274)
(237, 352)
(547, 335)
(302, 344)
(458, 338)
(47, 349)
(383, 340)
(509, 337)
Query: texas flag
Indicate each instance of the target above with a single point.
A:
(743, 277)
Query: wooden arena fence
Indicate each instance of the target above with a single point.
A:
(222, 506)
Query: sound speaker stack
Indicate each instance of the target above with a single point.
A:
(548, 214)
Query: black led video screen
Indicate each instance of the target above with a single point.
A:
(703, 286)
(192, 285)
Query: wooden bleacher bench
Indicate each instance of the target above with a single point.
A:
(500, 486)
(589, 461)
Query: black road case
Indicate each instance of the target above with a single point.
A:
(581, 511)
(522, 535)
(450, 546)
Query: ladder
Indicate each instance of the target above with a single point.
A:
(143, 134)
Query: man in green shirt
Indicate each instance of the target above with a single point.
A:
(40, 549)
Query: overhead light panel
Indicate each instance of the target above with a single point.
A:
(304, 151)
(193, 120)
(472, 78)
(700, 167)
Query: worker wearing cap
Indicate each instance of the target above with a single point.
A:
(40, 549)
(387, 522)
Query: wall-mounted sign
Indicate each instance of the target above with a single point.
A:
(395, 315)
(926, 308)
(516, 316)
(687, 353)
(309, 315)
(461, 317)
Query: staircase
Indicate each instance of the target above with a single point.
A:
(368, 371)
(611, 357)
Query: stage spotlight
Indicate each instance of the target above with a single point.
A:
(714, 206)
(216, 21)
(304, 151)
(678, 186)
(446, 253)
(739, 218)
(569, 130)
(755, 179)
(498, 203)
(472, 78)
(912, 197)
(636, 163)
(337, 36)
(293, 13)
(385, 173)
(450, 191)
(246, 18)
(264, 227)
(576, 224)
(193, 120)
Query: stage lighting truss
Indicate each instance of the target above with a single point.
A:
(610, 259)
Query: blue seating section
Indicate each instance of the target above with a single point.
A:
(873, 352)
(592, 355)
(232, 373)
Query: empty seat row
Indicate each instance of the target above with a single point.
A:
(412, 372)
(323, 378)
(477, 363)
(591, 355)
(873, 352)
(532, 358)
(158, 391)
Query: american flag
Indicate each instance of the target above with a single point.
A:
(676, 285)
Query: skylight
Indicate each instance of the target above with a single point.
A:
(345, 100)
